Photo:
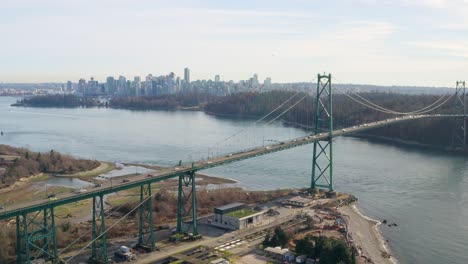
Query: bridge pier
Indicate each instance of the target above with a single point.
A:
(145, 224)
(98, 228)
(322, 161)
(36, 236)
(187, 203)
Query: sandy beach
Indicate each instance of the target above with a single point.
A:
(367, 236)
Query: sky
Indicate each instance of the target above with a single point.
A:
(383, 42)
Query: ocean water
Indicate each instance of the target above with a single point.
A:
(424, 191)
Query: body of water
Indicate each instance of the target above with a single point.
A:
(425, 192)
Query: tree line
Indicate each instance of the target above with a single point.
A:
(26, 163)
(58, 100)
(162, 102)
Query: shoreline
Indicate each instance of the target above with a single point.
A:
(367, 236)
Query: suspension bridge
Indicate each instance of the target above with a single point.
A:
(35, 221)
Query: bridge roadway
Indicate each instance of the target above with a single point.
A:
(13, 210)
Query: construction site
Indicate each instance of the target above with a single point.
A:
(318, 217)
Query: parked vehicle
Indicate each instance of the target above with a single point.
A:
(125, 253)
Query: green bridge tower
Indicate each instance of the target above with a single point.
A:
(322, 161)
(459, 124)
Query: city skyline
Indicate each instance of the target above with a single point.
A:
(402, 42)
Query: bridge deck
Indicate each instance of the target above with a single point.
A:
(167, 173)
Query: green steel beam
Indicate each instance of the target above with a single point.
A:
(179, 204)
(36, 237)
(187, 202)
(459, 107)
(146, 217)
(322, 160)
(99, 241)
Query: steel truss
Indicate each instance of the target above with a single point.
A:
(36, 236)
(146, 225)
(322, 161)
(187, 203)
(459, 127)
(99, 241)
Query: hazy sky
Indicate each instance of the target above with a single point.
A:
(390, 42)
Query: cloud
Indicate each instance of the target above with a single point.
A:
(451, 48)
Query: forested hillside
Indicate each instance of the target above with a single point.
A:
(20, 162)
(58, 100)
(163, 102)
(345, 113)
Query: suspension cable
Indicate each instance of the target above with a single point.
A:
(109, 228)
(399, 113)
(404, 113)
(285, 111)
(264, 117)
(85, 233)
(369, 104)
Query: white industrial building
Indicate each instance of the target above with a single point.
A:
(236, 216)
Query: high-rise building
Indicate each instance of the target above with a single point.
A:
(149, 85)
(122, 85)
(81, 86)
(187, 75)
(110, 85)
(177, 84)
(267, 82)
(137, 85)
(217, 79)
(69, 86)
(93, 87)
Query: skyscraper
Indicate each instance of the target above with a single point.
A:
(267, 82)
(217, 78)
(81, 86)
(137, 85)
(110, 85)
(69, 86)
(122, 85)
(187, 75)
